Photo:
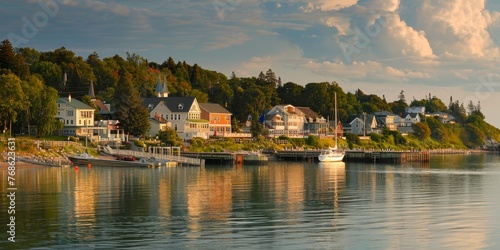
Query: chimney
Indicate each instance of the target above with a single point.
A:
(69, 98)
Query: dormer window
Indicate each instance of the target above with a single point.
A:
(150, 106)
(181, 106)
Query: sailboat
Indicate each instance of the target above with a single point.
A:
(332, 154)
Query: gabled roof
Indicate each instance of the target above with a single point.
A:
(158, 119)
(296, 110)
(384, 114)
(309, 113)
(100, 105)
(74, 103)
(214, 108)
(174, 104)
(368, 117)
(412, 115)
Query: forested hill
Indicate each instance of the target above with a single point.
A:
(32, 80)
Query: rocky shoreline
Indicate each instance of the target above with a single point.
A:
(49, 160)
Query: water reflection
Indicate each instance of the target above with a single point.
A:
(448, 203)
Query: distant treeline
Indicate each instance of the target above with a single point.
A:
(32, 80)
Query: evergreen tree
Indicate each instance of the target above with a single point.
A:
(128, 108)
(7, 55)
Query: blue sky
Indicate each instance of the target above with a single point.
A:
(442, 47)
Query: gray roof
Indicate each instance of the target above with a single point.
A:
(384, 114)
(309, 113)
(74, 103)
(412, 115)
(214, 108)
(173, 103)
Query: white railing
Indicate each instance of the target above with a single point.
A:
(179, 159)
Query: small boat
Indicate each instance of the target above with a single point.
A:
(99, 162)
(80, 159)
(332, 154)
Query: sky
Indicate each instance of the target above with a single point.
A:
(439, 47)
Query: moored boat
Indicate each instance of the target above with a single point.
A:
(80, 159)
(332, 154)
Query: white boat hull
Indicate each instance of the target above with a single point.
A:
(331, 156)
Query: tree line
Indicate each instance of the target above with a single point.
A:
(32, 80)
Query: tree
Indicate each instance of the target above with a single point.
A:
(290, 93)
(170, 137)
(42, 106)
(12, 61)
(12, 99)
(128, 108)
(421, 130)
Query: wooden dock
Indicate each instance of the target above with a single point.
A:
(229, 157)
(386, 156)
(181, 160)
(358, 156)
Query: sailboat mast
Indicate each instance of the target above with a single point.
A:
(335, 125)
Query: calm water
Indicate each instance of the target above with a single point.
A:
(451, 203)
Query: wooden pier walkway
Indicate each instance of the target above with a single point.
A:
(358, 156)
(159, 155)
(242, 157)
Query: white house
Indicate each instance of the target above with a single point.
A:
(314, 123)
(157, 124)
(183, 113)
(363, 124)
(75, 116)
(415, 110)
(285, 120)
(406, 122)
(387, 119)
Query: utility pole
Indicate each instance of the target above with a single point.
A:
(364, 124)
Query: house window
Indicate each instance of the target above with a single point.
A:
(69, 113)
(86, 114)
(175, 127)
(71, 122)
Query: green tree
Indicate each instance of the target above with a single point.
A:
(290, 93)
(128, 108)
(474, 136)
(312, 141)
(50, 72)
(42, 106)
(12, 100)
(170, 137)
(421, 130)
(12, 61)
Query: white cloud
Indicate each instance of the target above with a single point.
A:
(375, 71)
(399, 39)
(380, 5)
(457, 27)
(327, 5)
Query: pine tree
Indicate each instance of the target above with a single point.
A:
(128, 108)
(7, 55)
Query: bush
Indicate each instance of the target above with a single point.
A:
(139, 143)
(376, 137)
(352, 138)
